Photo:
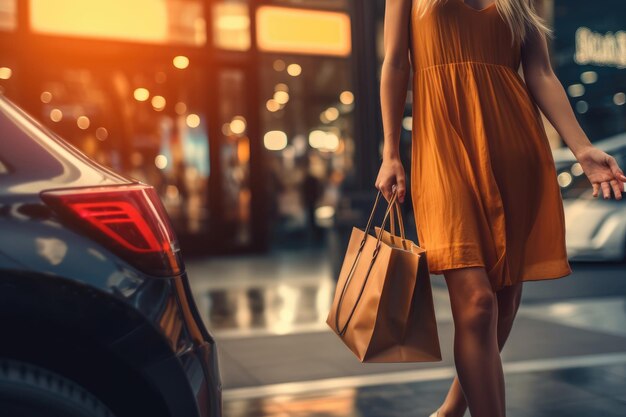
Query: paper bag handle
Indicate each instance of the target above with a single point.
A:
(400, 222)
(356, 258)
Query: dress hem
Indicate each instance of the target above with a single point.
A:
(535, 277)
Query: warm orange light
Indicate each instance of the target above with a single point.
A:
(238, 125)
(102, 133)
(83, 122)
(158, 103)
(56, 115)
(331, 113)
(140, 20)
(226, 129)
(279, 65)
(231, 26)
(160, 161)
(346, 97)
(243, 150)
(180, 108)
(294, 70)
(46, 97)
(275, 140)
(304, 31)
(180, 61)
(193, 120)
(5, 73)
(272, 105)
(141, 94)
(281, 87)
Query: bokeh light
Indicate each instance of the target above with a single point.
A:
(180, 61)
(141, 94)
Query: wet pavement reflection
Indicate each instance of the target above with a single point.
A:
(567, 355)
(576, 392)
(279, 294)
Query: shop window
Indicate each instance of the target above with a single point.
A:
(8, 14)
(167, 21)
(307, 133)
(589, 60)
(231, 25)
(148, 124)
(234, 156)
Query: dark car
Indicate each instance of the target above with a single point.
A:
(96, 312)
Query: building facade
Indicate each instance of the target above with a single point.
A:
(239, 112)
(256, 121)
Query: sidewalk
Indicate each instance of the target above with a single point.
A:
(597, 391)
(268, 314)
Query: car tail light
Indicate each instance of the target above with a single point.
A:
(129, 219)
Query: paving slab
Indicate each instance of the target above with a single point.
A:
(321, 354)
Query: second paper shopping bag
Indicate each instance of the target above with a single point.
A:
(382, 307)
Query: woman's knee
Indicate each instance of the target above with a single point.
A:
(474, 304)
(480, 310)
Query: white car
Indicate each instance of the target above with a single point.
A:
(595, 227)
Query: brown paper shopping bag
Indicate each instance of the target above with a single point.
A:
(383, 307)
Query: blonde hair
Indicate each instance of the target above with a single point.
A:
(519, 14)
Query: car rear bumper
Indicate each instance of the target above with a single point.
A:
(202, 369)
(139, 338)
(191, 373)
(188, 382)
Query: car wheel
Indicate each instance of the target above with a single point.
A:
(27, 390)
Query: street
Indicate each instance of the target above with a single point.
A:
(566, 355)
(180, 181)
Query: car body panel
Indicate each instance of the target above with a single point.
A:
(113, 324)
(51, 272)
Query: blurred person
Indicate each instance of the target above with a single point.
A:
(312, 191)
(487, 204)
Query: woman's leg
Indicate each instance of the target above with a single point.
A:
(476, 355)
(508, 304)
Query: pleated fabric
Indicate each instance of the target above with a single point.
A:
(483, 181)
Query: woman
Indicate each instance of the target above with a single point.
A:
(483, 182)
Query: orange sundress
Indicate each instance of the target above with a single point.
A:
(483, 180)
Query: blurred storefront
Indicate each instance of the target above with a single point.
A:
(258, 121)
(589, 57)
(239, 112)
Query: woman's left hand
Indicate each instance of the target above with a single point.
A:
(602, 171)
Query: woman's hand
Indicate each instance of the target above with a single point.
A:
(391, 173)
(603, 172)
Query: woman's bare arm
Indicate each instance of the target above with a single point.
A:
(549, 94)
(395, 72)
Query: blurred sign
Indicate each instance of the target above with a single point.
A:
(303, 31)
(589, 56)
(600, 49)
(166, 21)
